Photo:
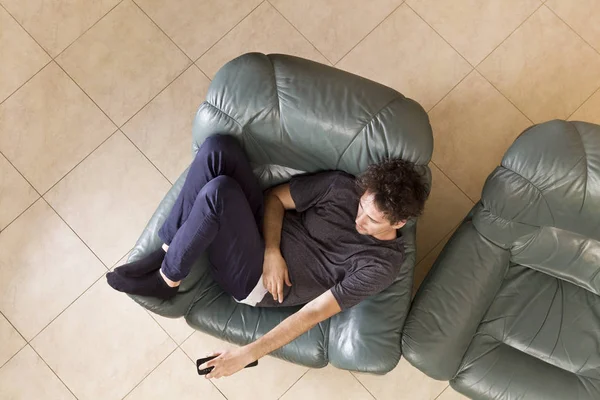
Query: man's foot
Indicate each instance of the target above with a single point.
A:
(151, 263)
(151, 284)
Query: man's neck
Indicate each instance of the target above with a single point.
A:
(387, 235)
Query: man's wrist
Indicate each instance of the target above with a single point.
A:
(273, 250)
(253, 350)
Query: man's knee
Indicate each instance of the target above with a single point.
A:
(218, 143)
(222, 185)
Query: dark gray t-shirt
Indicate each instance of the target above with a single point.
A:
(323, 250)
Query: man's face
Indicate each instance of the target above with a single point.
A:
(370, 221)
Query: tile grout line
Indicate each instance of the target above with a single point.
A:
(492, 52)
(79, 163)
(86, 93)
(298, 30)
(88, 29)
(450, 91)
(570, 27)
(160, 29)
(20, 334)
(25, 83)
(53, 371)
(509, 35)
(294, 384)
(586, 42)
(227, 33)
(162, 90)
(369, 33)
(147, 159)
(506, 97)
(194, 363)
(29, 183)
(358, 380)
(151, 371)
(66, 308)
(454, 183)
(442, 392)
(438, 243)
(26, 31)
(582, 104)
(439, 34)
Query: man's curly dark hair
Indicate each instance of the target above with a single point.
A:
(400, 190)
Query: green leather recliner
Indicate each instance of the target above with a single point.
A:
(293, 115)
(511, 308)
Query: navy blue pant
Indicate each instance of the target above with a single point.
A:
(219, 210)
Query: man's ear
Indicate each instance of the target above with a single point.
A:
(399, 224)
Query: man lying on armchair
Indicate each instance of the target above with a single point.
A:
(327, 240)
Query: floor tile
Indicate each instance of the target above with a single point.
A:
(109, 197)
(474, 28)
(472, 129)
(54, 267)
(451, 394)
(589, 111)
(163, 129)
(177, 328)
(265, 31)
(123, 61)
(195, 25)
(269, 380)
(57, 23)
(103, 345)
(544, 68)
(49, 126)
(20, 56)
(421, 65)
(175, 378)
(15, 193)
(327, 383)
(582, 16)
(27, 377)
(334, 27)
(404, 379)
(11, 341)
(444, 209)
(423, 267)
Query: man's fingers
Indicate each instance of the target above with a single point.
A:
(287, 279)
(280, 291)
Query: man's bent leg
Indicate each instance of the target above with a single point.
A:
(222, 222)
(219, 155)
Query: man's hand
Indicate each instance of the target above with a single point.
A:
(275, 274)
(228, 362)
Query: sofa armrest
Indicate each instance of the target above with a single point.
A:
(452, 301)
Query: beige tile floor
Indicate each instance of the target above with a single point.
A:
(96, 103)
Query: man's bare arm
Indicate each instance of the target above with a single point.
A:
(230, 362)
(275, 273)
(319, 309)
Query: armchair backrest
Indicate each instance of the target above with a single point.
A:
(543, 202)
(293, 115)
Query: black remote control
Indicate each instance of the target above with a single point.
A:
(205, 371)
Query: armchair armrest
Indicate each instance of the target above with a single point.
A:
(452, 301)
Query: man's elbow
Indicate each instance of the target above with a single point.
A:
(323, 307)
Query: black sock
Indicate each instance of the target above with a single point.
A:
(152, 262)
(151, 284)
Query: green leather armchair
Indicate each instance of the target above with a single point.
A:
(293, 115)
(511, 308)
